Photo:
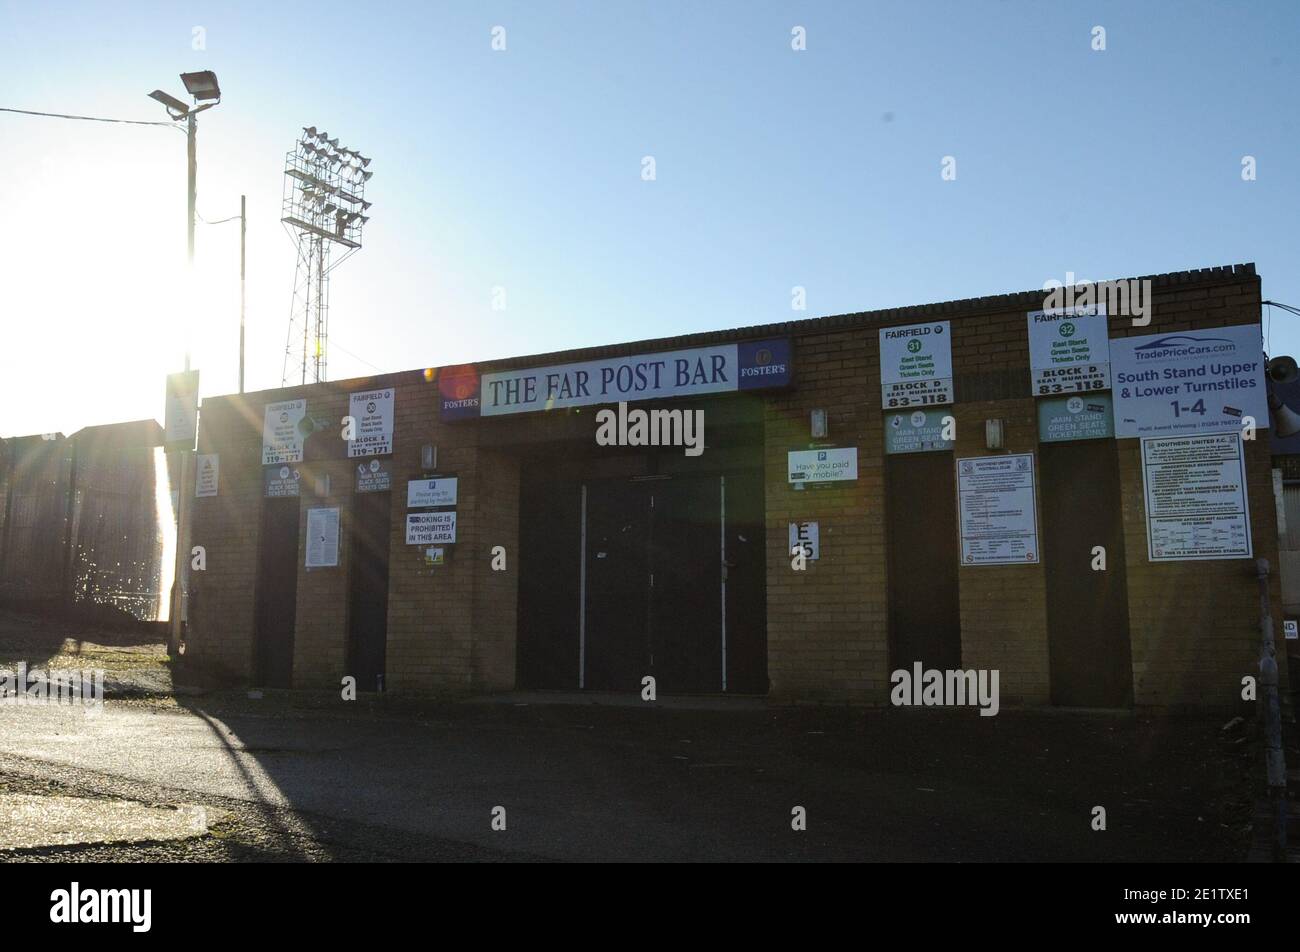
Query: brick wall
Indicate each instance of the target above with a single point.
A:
(452, 627)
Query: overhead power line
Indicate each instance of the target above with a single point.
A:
(60, 115)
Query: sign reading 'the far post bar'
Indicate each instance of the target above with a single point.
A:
(723, 368)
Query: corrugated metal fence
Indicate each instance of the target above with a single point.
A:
(89, 519)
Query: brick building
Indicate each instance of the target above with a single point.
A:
(581, 565)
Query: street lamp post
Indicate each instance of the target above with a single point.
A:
(206, 92)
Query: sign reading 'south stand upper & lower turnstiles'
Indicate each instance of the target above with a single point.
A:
(724, 368)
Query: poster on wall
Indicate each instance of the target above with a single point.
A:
(1195, 489)
(372, 416)
(430, 528)
(282, 432)
(916, 365)
(322, 538)
(1069, 350)
(1201, 381)
(999, 523)
(206, 472)
(1075, 418)
(920, 431)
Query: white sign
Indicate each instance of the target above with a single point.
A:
(807, 536)
(749, 365)
(430, 528)
(1195, 489)
(1291, 629)
(431, 492)
(1069, 350)
(999, 524)
(1201, 381)
(322, 538)
(181, 415)
(372, 415)
(823, 466)
(205, 475)
(915, 365)
(282, 434)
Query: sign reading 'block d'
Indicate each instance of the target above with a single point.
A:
(430, 528)
(1069, 350)
(916, 365)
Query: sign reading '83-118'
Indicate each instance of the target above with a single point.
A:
(915, 365)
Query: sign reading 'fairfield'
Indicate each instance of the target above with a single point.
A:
(679, 373)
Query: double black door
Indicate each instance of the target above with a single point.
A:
(653, 585)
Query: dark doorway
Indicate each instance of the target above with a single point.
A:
(746, 576)
(625, 577)
(921, 528)
(616, 626)
(1087, 610)
(368, 596)
(686, 588)
(550, 569)
(276, 597)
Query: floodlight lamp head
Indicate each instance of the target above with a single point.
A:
(202, 85)
(174, 106)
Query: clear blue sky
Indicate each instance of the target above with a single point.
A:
(522, 169)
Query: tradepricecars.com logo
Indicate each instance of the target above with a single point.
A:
(1179, 346)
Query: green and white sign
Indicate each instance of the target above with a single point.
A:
(918, 431)
(916, 365)
(822, 466)
(1075, 418)
(1069, 350)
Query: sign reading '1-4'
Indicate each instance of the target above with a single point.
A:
(1200, 381)
(1069, 350)
(916, 365)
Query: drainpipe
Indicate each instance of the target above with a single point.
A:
(1271, 711)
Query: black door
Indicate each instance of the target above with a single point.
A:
(550, 570)
(686, 584)
(921, 526)
(1087, 609)
(368, 597)
(275, 600)
(617, 619)
(746, 569)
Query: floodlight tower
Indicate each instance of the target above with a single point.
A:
(324, 205)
